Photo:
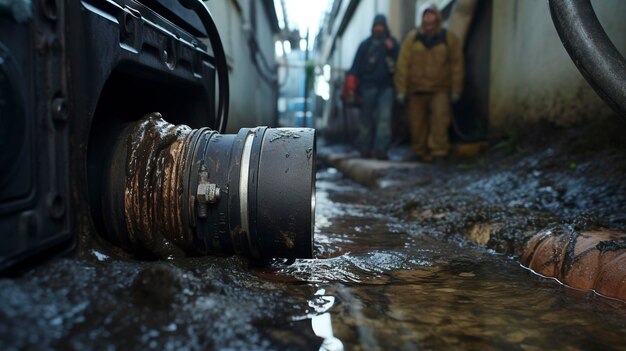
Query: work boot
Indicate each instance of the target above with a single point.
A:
(439, 161)
(365, 153)
(380, 155)
(413, 158)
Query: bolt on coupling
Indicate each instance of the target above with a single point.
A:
(208, 193)
(170, 188)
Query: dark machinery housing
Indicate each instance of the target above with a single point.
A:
(76, 78)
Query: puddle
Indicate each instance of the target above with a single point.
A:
(398, 291)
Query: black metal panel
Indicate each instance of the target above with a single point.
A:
(181, 16)
(34, 192)
(82, 70)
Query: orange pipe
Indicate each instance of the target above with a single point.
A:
(587, 261)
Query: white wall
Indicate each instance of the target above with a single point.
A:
(532, 77)
(252, 100)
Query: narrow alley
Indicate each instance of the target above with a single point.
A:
(312, 175)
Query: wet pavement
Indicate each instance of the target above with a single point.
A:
(395, 268)
(379, 282)
(394, 287)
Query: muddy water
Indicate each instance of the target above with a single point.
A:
(386, 289)
(376, 285)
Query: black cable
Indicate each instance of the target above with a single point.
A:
(282, 83)
(255, 53)
(268, 78)
(255, 47)
(220, 59)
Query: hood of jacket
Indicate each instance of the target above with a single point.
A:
(380, 19)
(434, 9)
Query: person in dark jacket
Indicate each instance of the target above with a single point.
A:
(374, 65)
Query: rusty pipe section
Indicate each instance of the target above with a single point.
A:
(172, 190)
(594, 260)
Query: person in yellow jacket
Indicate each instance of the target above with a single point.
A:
(429, 74)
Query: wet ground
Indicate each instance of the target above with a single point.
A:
(394, 270)
(563, 180)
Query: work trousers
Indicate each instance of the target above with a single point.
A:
(374, 137)
(429, 119)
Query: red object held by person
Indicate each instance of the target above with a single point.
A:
(350, 86)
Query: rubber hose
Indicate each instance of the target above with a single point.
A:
(592, 51)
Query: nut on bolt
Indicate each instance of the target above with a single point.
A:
(208, 193)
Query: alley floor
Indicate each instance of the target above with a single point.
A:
(396, 268)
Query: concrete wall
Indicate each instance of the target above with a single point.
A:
(401, 17)
(532, 77)
(421, 4)
(252, 99)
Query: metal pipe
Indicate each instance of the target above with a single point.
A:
(591, 50)
(174, 190)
